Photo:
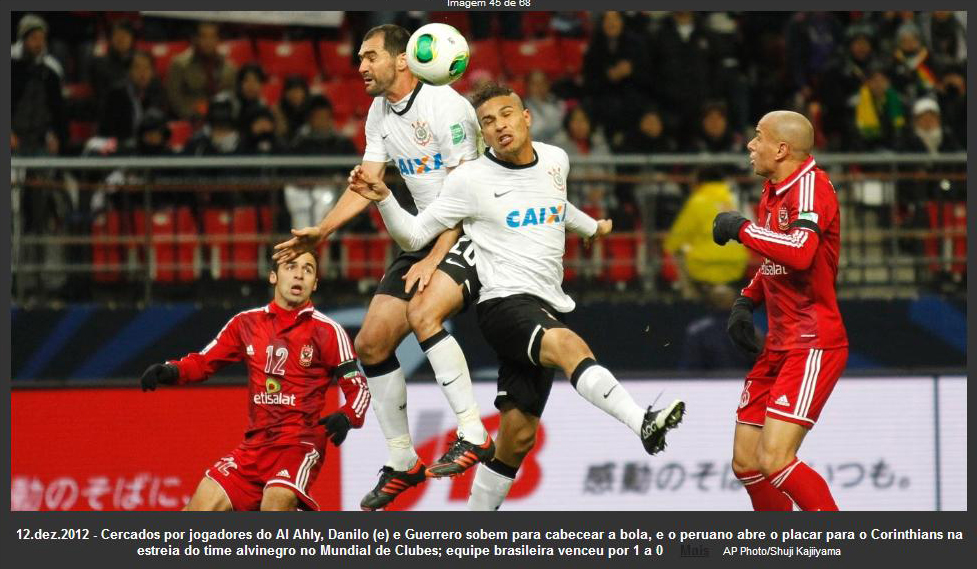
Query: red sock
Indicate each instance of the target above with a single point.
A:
(764, 496)
(804, 486)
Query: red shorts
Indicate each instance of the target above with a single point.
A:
(790, 385)
(247, 471)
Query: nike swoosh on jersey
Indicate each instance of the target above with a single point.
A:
(499, 195)
(453, 262)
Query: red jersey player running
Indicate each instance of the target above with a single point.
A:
(798, 232)
(290, 350)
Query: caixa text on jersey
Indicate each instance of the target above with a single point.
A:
(422, 165)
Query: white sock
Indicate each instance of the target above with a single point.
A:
(389, 402)
(449, 365)
(599, 386)
(489, 489)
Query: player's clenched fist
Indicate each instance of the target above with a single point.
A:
(337, 426)
(367, 184)
(159, 373)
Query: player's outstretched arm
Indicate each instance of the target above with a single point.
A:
(587, 227)
(166, 374)
(306, 239)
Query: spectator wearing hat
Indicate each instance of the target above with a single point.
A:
(291, 108)
(198, 74)
(126, 103)
(927, 134)
(839, 85)
(914, 74)
(114, 67)
(38, 123)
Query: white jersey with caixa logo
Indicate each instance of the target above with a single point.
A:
(516, 216)
(423, 134)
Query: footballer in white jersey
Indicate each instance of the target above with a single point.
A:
(513, 204)
(424, 131)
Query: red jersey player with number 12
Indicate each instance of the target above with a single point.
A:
(290, 350)
(798, 232)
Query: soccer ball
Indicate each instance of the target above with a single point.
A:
(437, 54)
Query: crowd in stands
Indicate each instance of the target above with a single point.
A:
(597, 84)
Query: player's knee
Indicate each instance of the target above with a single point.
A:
(770, 460)
(743, 464)
(370, 347)
(423, 319)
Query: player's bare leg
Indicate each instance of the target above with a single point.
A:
(426, 313)
(777, 457)
(209, 497)
(493, 479)
(384, 327)
(563, 348)
(746, 467)
(278, 499)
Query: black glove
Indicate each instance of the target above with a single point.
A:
(159, 373)
(740, 326)
(337, 425)
(726, 226)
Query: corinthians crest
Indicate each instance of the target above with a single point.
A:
(422, 134)
(305, 356)
(558, 181)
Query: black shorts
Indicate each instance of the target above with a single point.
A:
(514, 327)
(458, 263)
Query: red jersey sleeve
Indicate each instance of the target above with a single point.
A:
(812, 209)
(222, 350)
(342, 358)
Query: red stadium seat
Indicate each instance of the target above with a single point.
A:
(186, 246)
(572, 52)
(174, 243)
(217, 229)
(106, 249)
(180, 133)
(284, 58)
(571, 257)
(343, 106)
(80, 131)
(536, 24)
(364, 256)
(245, 248)
(338, 59)
(163, 52)
(237, 52)
(485, 55)
(354, 129)
(522, 56)
(620, 256)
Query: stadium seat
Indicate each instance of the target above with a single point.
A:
(363, 256)
(217, 229)
(106, 249)
(485, 55)
(572, 53)
(238, 51)
(174, 243)
(620, 257)
(354, 129)
(522, 56)
(244, 227)
(338, 59)
(283, 58)
(571, 257)
(80, 131)
(163, 52)
(343, 106)
(536, 24)
(945, 217)
(180, 133)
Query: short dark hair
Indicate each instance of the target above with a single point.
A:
(394, 38)
(491, 90)
(315, 259)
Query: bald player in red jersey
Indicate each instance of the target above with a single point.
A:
(798, 233)
(292, 351)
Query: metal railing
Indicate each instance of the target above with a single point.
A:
(881, 255)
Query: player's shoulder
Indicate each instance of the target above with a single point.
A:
(442, 94)
(249, 315)
(550, 153)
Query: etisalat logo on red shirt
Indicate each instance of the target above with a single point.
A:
(272, 394)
